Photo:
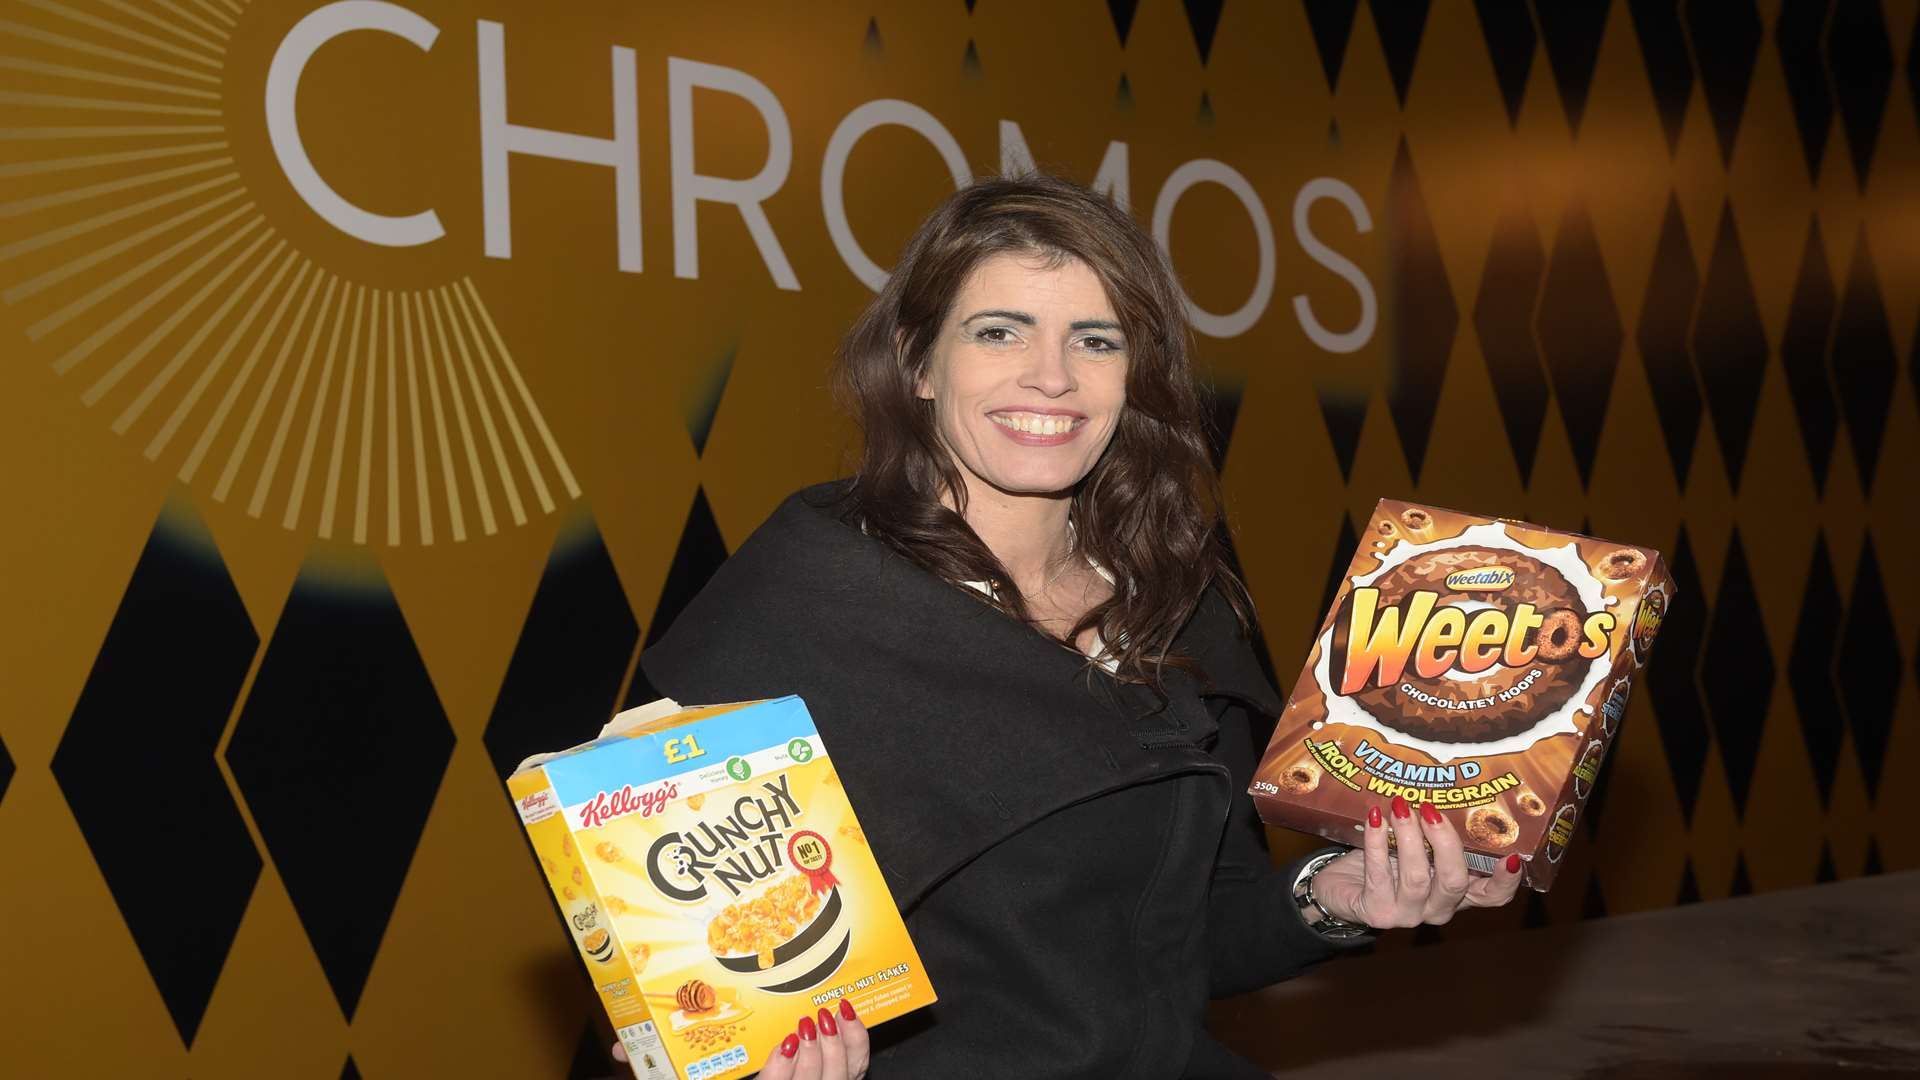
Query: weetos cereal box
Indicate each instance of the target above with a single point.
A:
(1478, 665)
(716, 883)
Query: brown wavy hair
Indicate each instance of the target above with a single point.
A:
(1150, 509)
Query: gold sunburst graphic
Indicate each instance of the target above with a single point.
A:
(147, 274)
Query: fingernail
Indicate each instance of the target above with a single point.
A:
(827, 1026)
(1429, 815)
(1373, 819)
(1513, 864)
(790, 1046)
(807, 1030)
(1400, 808)
(846, 1010)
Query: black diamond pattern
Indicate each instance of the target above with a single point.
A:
(1595, 904)
(1726, 43)
(1579, 333)
(1426, 318)
(1571, 33)
(1203, 18)
(1262, 729)
(1343, 549)
(1826, 872)
(701, 403)
(1810, 670)
(1331, 22)
(1803, 355)
(1861, 59)
(1503, 317)
(142, 738)
(701, 551)
(1665, 317)
(1864, 362)
(1670, 679)
(873, 44)
(1400, 23)
(564, 678)
(1730, 345)
(1802, 25)
(1345, 413)
(970, 63)
(339, 752)
(1663, 48)
(1737, 673)
(1741, 885)
(1689, 886)
(1507, 26)
(1121, 12)
(350, 1071)
(6, 770)
(1870, 667)
(1123, 95)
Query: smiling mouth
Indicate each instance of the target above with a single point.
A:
(1035, 424)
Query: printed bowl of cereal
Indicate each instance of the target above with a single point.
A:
(785, 939)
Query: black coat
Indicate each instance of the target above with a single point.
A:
(1080, 866)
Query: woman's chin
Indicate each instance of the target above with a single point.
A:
(1048, 485)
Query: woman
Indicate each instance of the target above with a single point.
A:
(1017, 630)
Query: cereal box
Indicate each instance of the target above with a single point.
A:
(1478, 665)
(715, 883)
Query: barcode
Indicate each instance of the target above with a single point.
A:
(1483, 863)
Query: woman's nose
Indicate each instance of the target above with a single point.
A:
(1049, 370)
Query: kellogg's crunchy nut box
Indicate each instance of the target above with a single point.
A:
(716, 883)
(1479, 665)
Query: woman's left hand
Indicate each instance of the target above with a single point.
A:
(1367, 886)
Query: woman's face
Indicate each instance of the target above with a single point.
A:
(1028, 375)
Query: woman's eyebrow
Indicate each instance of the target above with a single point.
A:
(1028, 320)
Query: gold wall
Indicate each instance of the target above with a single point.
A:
(345, 467)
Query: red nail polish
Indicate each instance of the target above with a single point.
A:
(807, 1030)
(1513, 864)
(1429, 815)
(790, 1046)
(846, 1010)
(1400, 808)
(827, 1026)
(1373, 819)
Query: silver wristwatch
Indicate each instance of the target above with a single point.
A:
(1328, 925)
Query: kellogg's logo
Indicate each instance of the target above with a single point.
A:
(538, 806)
(608, 805)
(1481, 579)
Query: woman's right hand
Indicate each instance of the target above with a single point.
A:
(822, 1047)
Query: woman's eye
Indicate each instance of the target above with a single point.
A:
(1096, 344)
(996, 333)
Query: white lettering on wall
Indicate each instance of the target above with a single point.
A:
(498, 139)
(1326, 187)
(691, 188)
(1208, 171)
(283, 126)
(833, 172)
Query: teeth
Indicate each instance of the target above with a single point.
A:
(1035, 425)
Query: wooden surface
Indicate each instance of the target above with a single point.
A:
(1802, 982)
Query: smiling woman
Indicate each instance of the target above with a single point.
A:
(1017, 627)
